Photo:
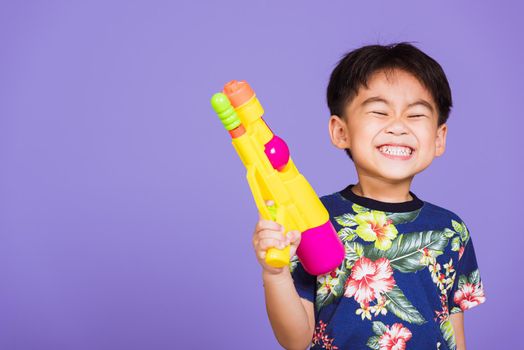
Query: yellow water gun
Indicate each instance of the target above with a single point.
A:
(272, 175)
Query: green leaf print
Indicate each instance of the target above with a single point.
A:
(379, 328)
(462, 230)
(464, 236)
(373, 342)
(402, 307)
(293, 263)
(402, 218)
(406, 252)
(358, 209)
(457, 226)
(474, 277)
(323, 300)
(448, 233)
(462, 281)
(455, 309)
(330, 287)
(346, 220)
(455, 244)
(447, 332)
(354, 251)
(347, 234)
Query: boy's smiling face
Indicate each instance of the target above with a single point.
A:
(391, 127)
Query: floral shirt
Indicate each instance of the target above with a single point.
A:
(408, 266)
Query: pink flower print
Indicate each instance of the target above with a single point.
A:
(443, 315)
(319, 332)
(469, 295)
(321, 338)
(461, 251)
(369, 279)
(394, 338)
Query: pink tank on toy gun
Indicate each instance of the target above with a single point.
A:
(272, 175)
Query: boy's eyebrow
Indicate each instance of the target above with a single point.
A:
(381, 99)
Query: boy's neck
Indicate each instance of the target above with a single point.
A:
(377, 189)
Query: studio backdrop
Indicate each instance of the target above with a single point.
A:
(125, 215)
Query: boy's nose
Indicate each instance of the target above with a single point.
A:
(397, 127)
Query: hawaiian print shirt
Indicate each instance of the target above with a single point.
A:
(408, 266)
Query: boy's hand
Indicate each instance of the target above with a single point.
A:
(269, 234)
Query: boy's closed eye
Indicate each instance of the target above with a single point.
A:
(379, 113)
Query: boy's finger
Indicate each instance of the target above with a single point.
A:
(268, 234)
(266, 243)
(294, 237)
(262, 254)
(268, 225)
(271, 234)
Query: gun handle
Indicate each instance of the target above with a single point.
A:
(274, 257)
(278, 257)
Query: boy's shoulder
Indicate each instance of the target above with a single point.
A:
(443, 217)
(438, 210)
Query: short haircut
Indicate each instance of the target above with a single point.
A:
(356, 68)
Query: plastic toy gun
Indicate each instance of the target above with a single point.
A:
(272, 175)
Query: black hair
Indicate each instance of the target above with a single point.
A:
(356, 67)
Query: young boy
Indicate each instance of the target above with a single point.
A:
(410, 268)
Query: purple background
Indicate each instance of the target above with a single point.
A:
(125, 217)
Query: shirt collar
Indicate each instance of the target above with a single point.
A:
(370, 203)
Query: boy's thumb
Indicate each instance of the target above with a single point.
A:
(294, 237)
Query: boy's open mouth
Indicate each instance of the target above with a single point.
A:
(393, 151)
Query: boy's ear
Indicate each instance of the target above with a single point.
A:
(440, 141)
(338, 132)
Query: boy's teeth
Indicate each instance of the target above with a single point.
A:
(396, 151)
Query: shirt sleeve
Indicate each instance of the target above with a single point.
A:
(305, 284)
(467, 290)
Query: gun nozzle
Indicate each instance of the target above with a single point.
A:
(220, 102)
(225, 111)
(238, 92)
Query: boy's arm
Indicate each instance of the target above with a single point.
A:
(291, 317)
(457, 321)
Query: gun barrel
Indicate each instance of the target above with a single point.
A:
(238, 92)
